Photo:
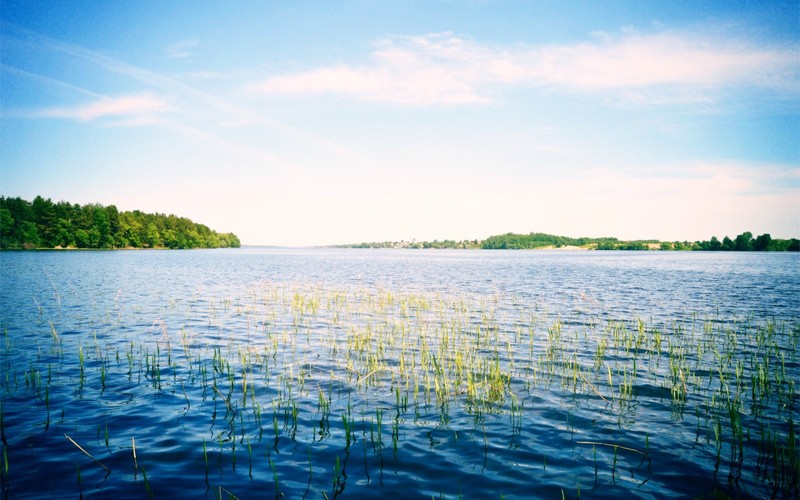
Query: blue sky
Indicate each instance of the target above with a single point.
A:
(305, 123)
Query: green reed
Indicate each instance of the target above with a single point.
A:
(415, 354)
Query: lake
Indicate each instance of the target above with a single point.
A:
(323, 373)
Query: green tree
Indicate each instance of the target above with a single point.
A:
(762, 242)
(30, 235)
(744, 242)
(102, 227)
(152, 237)
(129, 230)
(112, 214)
(81, 238)
(6, 227)
(64, 235)
(727, 244)
(44, 216)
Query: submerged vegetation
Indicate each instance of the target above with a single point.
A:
(44, 224)
(314, 392)
(514, 241)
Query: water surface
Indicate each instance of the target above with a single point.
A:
(360, 373)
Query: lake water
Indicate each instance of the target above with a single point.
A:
(315, 373)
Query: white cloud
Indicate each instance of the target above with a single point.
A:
(131, 107)
(447, 69)
(413, 70)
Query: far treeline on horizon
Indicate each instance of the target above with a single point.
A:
(512, 241)
(42, 224)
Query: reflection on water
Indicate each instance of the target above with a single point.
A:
(311, 373)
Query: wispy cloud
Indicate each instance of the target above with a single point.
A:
(134, 106)
(51, 82)
(648, 68)
(142, 75)
(432, 69)
(226, 113)
(182, 49)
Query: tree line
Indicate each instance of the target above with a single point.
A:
(45, 224)
(744, 242)
(515, 241)
(530, 241)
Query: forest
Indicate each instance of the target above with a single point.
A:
(45, 224)
(541, 240)
(744, 242)
(515, 241)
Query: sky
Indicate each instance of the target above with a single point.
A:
(318, 122)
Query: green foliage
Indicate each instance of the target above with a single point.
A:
(762, 242)
(745, 243)
(44, 224)
(727, 244)
(625, 245)
(513, 241)
(541, 240)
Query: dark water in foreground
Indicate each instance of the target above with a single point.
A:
(364, 373)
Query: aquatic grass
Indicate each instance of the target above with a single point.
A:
(133, 448)
(230, 495)
(205, 454)
(427, 361)
(147, 487)
(80, 482)
(88, 454)
(274, 474)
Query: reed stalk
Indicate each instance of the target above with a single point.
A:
(87, 454)
(133, 447)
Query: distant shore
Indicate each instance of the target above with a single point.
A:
(565, 247)
(744, 242)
